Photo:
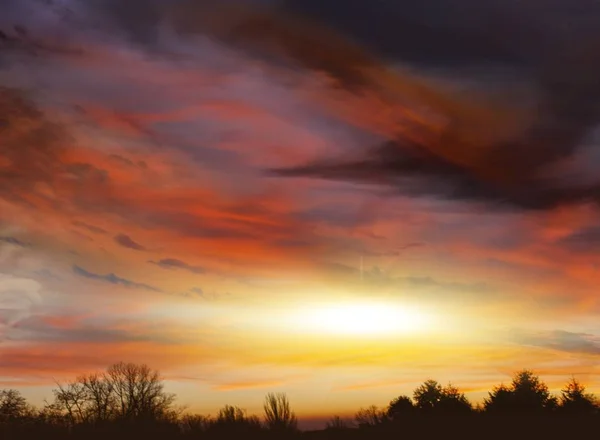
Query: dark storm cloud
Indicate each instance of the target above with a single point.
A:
(113, 279)
(172, 263)
(128, 242)
(561, 63)
(552, 46)
(413, 170)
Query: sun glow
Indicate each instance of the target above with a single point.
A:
(365, 319)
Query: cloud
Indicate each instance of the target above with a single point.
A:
(37, 164)
(14, 241)
(172, 263)
(113, 279)
(52, 329)
(247, 385)
(19, 298)
(410, 169)
(197, 291)
(560, 340)
(31, 145)
(126, 241)
(121, 160)
(586, 241)
(91, 228)
(487, 149)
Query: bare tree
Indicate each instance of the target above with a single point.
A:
(370, 416)
(72, 400)
(278, 415)
(139, 391)
(336, 422)
(194, 424)
(100, 396)
(124, 392)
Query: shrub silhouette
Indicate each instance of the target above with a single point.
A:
(278, 415)
(337, 423)
(370, 416)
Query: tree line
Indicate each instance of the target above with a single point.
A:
(130, 400)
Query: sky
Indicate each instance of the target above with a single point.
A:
(336, 202)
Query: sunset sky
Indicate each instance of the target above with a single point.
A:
(334, 201)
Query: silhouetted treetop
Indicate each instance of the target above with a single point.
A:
(431, 396)
(575, 400)
(128, 401)
(126, 391)
(400, 407)
(527, 393)
(13, 405)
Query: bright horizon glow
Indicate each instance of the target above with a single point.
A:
(364, 318)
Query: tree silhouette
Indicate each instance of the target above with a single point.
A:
(526, 394)
(428, 395)
(126, 392)
(139, 392)
(574, 399)
(233, 421)
(72, 399)
(337, 423)
(128, 401)
(432, 397)
(278, 415)
(400, 407)
(370, 416)
(499, 400)
(230, 415)
(453, 401)
(194, 424)
(13, 405)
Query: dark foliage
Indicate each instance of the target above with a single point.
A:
(128, 401)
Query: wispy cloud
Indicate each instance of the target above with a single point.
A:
(560, 340)
(249, 385)
(113, 279)
(14, 241)
(128, 242)
(90, 228)
(173, 263)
